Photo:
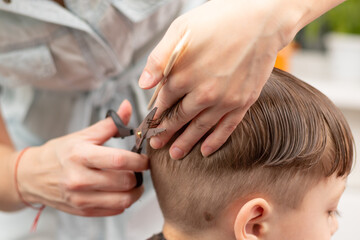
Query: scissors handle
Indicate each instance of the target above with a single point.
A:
(136, 150)
(124, 132)
(138, 175)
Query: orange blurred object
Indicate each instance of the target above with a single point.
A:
(284, 56)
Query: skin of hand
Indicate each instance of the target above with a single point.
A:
(78, 175)
(231, 50)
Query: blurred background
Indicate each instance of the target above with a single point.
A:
(326, 54)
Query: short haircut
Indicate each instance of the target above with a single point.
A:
(292, 137)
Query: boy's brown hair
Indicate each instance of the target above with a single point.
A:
(292, 137)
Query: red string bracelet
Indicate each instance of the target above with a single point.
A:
(40, 208)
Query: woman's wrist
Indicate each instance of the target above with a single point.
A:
(295, 15)
(28, 172)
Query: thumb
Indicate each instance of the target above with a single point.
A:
(159, 57)
(105, 129)
(125, 111)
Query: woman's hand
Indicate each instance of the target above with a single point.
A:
(230, 53)
(78, 175)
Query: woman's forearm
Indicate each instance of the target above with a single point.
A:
(304, 12)
(9, 200)
(316, 8)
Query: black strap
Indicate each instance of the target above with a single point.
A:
(124, 131)
(139, 179)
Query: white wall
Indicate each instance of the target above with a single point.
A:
(314, 68)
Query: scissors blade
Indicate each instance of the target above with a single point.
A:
(154, 131)
(144, 126)
(141, 131)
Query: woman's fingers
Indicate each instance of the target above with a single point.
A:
(159, 57)
(125, 111)
(100, 180)
(199, 126)
(188, 108)
(105, 129)
(222, 131)
(169, 94)
(102, 157)
(94, 203)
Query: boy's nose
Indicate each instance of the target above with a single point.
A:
(334, 226)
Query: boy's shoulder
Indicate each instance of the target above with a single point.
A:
(159, 236)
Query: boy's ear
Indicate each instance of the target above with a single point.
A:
(251, 222)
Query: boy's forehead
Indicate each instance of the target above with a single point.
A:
(338, 187)
(326, 191)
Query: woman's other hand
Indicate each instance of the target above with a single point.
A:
(231, 50)
(78, 175)
(230, 53)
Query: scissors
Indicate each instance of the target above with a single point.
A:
(143, 131)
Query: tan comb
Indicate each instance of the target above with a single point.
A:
(174, 56)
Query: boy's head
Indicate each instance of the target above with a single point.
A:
(279, 175)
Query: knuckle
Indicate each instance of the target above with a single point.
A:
(181, 114)
(126, 202)
(209, 95)
(242, 102)
(201, 125)
(177, 85)
(231, 102)
(180, 23)
(119, 161)
(73, 183)
(66, 197)
(154, 60)
(163, 102)
(128, 181)
(75, 154)
(234, 101)
(206, 98)
(78, 202)
(252, 98)
(176, 23)
(229, 127)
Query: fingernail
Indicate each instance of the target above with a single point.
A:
(207, 151)
(176, 153)
(145, 80)
(155, 143)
